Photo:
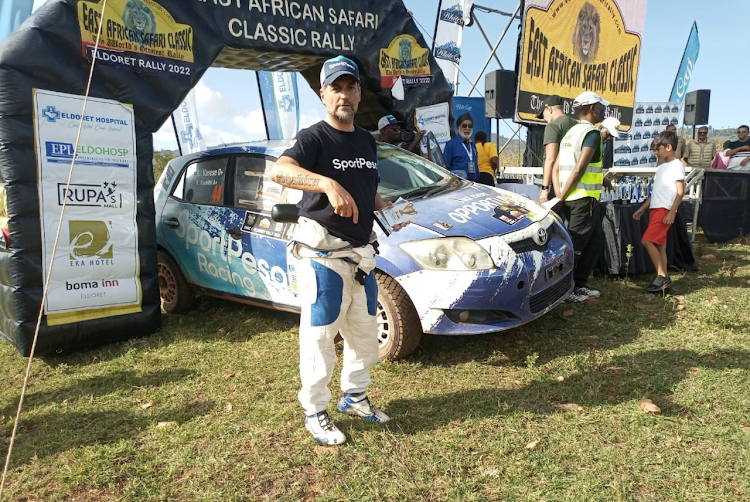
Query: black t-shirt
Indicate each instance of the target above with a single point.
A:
(351, 159)
(738, 143)
(593, 140)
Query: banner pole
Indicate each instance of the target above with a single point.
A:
(176, 134)
(262, 108)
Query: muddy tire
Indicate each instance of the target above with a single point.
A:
(399, 329)
(176, 296)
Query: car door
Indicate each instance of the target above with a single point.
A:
(258, 250)
(195, 221)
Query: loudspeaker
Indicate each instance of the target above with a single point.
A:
(500, 94)
(696, 107)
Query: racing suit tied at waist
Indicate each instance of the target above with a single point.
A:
(312, 240)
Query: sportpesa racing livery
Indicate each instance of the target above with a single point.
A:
(474, 259)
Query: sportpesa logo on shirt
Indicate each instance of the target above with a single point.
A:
(359, 163)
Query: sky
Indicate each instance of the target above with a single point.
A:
(229, 107)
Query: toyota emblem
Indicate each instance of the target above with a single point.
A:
(541, 236)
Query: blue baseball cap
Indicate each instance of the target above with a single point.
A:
(338, 67)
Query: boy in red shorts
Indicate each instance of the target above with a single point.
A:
(666, 196)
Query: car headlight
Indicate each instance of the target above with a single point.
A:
(449, 253)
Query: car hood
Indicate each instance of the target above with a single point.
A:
(476, 211)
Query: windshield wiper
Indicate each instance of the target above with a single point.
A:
(418, 191)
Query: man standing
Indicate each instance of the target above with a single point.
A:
(558, 124)
(460, 153)
(335, 163)
(389, 128)
(681, 151)
(701, 152)
(578, 174)
(739, 151)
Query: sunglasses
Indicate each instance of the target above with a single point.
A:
(702, 133)
(467, 126)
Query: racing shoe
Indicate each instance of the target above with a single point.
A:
(359, 405)
(323, 430)
(591, 293)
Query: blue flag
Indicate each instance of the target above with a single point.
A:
(280, 102)
(12, 14)
(681, 82)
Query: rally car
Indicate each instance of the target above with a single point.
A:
(474, 259)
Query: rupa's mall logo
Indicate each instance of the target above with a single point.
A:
(90, 243)
(105, 195)
(453, 14)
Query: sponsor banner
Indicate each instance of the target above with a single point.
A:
(446, 46)
(137, 35)
(689, 57)
(280, 102)
(186, 126)
(633, 149)
(475, 107)
(12, 14)
(403, 56)
(96, 269)
(434, 118)
(572, 46)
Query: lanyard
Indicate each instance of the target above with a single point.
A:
(469, 151)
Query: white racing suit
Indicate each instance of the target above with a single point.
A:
(334, 301)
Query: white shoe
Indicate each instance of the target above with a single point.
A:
(591, 293)
(576, 297)
(322, 428)
(359, 406)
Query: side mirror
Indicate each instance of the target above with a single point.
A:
(285, 213)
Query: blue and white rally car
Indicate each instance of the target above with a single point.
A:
(475, 259)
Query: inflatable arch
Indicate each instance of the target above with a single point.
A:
(151, 53)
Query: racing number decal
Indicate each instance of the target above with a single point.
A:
(216, 194)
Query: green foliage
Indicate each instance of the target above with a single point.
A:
(161, 159)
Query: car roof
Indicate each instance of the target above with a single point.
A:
(273, 148)
(267, 147)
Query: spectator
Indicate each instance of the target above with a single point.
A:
(578, 174)
(487, 159)
(721, 160)
(739, 151)
(609, 133)
(558, 124)
(390, 132)
(681, 152)
(460, 153)
(666, 196)
(701, 152)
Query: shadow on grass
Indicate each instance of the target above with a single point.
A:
(651, 374)
(60, 428)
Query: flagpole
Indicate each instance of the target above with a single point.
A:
(176, 135)
(262, 107)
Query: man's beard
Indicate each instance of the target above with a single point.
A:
(346, 116)
(465, 134)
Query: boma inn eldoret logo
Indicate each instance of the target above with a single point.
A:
(90, 240)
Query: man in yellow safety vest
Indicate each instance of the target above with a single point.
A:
(578, 177)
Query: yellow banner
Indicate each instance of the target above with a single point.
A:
(140, 27)
(403, 56)
(575, 46)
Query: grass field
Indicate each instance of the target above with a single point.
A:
(206, 409)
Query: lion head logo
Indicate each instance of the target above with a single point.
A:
(404, 50)
(139, 18)
(586, 33)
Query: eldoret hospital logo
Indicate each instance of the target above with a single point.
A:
(90, 239)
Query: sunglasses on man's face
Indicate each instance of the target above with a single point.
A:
(702, 133)
(742, 131)
(467, 126)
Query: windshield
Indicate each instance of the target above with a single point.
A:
(404, 174)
